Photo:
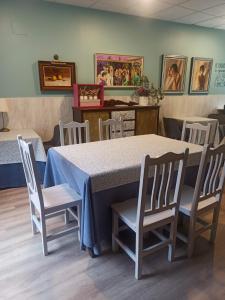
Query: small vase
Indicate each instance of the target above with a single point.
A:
(143, 101)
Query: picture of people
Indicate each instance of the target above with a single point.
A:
(201, 69)
(173, 74)
(113, 70)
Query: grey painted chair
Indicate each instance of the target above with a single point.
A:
(152, 211)
(55, 140)
(110, 129)
(77, 132)
(205, 197)
(198, 133)
(49, 202)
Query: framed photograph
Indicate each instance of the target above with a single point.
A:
(55, 76)
(173, 74)
(118, 71)
(201, 69)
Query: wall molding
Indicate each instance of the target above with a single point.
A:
(43, 113)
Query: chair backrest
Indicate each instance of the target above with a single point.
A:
(30, 171)
(211, 175)
(77, 132)
(159, 196)
(198, 133)
(112, 129)
(56, 136)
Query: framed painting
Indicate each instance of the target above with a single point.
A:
(118, 71)
(201, 69)
(174, 69)
(55, 76)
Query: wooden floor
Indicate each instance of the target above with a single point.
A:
(68, 273)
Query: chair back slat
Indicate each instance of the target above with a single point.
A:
(30, 171)
(74, 132)
(79, 134)
(155, 187)
(169, 182)
(112, 129)
(211, 175)
(162, 188)
(164, 172)
(198, 133)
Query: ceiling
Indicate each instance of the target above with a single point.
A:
(207, 13)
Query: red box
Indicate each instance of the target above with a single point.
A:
(77, 88)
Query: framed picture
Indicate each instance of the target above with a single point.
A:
(173, 74)
(118, 71)
(201, 69)
(56, 76)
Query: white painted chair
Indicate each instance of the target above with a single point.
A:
(152, 211)
(77, 132)
(198, 133)
(49, 202)
(205, 197)
(112, 129)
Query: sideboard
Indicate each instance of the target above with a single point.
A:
(137, 119)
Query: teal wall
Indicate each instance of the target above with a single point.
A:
(35, 30)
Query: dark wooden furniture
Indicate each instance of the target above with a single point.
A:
(146, 118)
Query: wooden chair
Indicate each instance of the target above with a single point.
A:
(48, 202)
(152, 211)
(198, 133)
(75, 134)
(55, 140)
(112, 128)
(205, 197)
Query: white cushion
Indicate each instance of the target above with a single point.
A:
(58, 195)
(127, 211)
(187, 199)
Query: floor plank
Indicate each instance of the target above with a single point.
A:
(68, 273)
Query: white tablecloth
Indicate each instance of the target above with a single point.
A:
(9, 150)
(116, 162)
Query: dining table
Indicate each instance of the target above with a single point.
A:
(11, 169)
(173, 127)
(105, 172)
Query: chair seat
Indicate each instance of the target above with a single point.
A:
(187, 198)
(59, 196)
(127, 211)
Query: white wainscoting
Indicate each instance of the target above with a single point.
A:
(38, 113)
(43, 113)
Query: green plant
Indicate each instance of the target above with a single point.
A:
(147, 89)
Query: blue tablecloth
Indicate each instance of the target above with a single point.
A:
(106, 172)
(12, 175)
(96, 207)
(96, 211)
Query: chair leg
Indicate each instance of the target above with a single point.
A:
(44, 236)
(214, 223)
(191, 238)
(34, 227)
(115, 231)
(67, 217)
(138, 254)
(172, 245)
(79, 208)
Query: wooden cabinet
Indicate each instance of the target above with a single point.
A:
(145, 119)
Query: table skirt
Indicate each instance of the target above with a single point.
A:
(12, 175)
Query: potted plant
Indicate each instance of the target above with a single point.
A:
(147, 94)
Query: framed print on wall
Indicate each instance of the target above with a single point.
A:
(56, 75)
(118, 71)
(173, 74)
(201, 69)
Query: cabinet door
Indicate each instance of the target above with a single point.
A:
(128, 121)
(146, 121)
(92, 117)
